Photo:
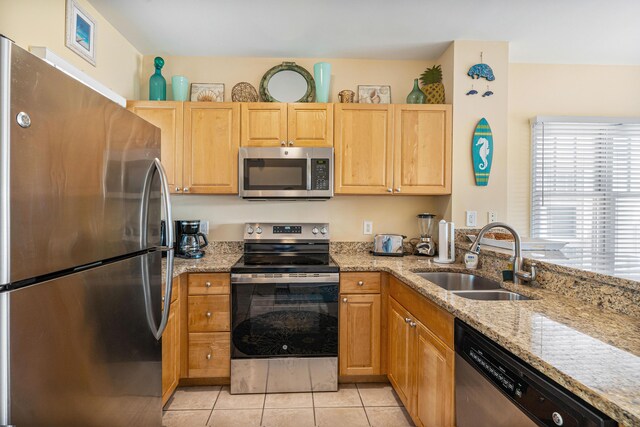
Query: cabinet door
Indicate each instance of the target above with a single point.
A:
(434, 400)
(360, 334)
(363, 149)
(401, 337)
(171, 353)
(310, 125)
(168, 116)
(422, 143)
(211, 141)
(264, 124)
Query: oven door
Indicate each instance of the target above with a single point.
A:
(284, 173)
(284, 315)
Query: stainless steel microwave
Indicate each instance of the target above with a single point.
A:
(285, 173)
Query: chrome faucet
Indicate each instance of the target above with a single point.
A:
(518, 276)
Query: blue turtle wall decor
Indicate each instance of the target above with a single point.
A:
(482, 150)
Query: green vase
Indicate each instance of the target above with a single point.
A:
(416, 96)
(157, 83)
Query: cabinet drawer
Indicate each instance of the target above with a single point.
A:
(209, 284)
(209, 354)
(209, 313)
(364, 283)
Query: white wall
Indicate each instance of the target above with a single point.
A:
(390, 214)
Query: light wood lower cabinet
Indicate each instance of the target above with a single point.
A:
(359, 334)
(209, 355)
(421, 357)
(171, 353)
(209, 313)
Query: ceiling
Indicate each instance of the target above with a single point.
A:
(539, 31)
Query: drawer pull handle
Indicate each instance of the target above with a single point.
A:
(209, 356)
(407, 320)
(344, 300)
(208, 284)
(412, 324)
(360, 283)
(208, 314)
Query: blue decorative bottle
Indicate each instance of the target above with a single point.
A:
(322, 77)
(157, 83)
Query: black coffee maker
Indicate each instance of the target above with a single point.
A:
(189, 239)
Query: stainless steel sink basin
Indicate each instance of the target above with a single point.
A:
(496, 295)
(459, 281)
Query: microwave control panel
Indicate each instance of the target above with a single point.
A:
(320, 174)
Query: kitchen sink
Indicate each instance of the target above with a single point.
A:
(494, 295)
(459, 281)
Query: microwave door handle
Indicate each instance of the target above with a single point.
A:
(308, 173)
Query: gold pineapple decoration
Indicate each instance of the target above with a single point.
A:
(432, 87)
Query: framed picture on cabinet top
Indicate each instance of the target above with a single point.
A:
(374, 94)
(207, 92)
(80, 32)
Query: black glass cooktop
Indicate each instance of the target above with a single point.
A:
(285, 264)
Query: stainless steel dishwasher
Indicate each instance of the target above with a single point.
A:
(495, 388)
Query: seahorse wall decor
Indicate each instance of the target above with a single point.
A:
(482, 150)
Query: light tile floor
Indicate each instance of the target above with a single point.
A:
(351, 406)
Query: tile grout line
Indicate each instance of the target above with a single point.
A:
(214, 405)
(264, 402)
(313, 405)
(364, 408)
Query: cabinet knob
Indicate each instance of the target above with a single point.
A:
(360, 283)
(344, 300)
(207, 284)
(177, 189)
(389, 190)
(290, 143)
(407, 320)
(283, 144)
(185, 189)
(412, 324)
(398, 190)
(209, 356)
(208, 314)
(162, 299)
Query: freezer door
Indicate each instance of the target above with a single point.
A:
(82, 352)
(77, 172)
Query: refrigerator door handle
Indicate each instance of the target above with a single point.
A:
(164, 184)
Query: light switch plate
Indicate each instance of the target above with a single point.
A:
(471, 218)
(367, 227)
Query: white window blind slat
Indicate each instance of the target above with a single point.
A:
(586, 190)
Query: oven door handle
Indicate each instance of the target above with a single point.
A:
(268, 278)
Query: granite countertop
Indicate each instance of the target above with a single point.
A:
(594, 353)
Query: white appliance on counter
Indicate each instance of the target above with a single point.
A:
(446, 243)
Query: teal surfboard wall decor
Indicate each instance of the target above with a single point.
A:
(482, 149)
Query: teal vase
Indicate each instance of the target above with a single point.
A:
(416, 96)
(322, 77)
(157, 83)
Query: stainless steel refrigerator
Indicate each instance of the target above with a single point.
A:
(82, 193)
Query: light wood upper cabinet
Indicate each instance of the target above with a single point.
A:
(310, 125)
(434, 397)
(363, 138)
(422, 149)
(272, 124)
(211, 142)
(264, 124)
(168, 116)
(360, 334)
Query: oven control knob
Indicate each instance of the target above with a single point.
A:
(250, 230)
(259, 230)
(324, 230)
(315, 230)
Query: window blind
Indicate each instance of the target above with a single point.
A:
(586, 189)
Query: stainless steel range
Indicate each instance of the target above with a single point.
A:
(284, 290)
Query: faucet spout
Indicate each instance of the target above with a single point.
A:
(519, 275)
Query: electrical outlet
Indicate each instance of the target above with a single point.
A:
(204, 226)
(492, 217)
(472, 218)
(367, 227)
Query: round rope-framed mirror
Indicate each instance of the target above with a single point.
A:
(287, 82)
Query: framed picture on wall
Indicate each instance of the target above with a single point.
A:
(81, 32)
(374, 94)
(207, 92)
